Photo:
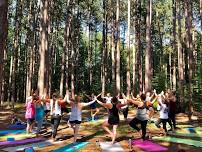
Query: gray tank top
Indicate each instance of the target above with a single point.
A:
(75, 113)
(142, 113)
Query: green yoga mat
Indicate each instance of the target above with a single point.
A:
(186, 131)
(18, 136)
(179, 141)
(178, 133)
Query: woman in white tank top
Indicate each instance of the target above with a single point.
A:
(76, 113)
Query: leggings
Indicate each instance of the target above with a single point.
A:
(172, 118)
(125, 112)
(39, 125)
(55, 121)
(133, 123)
(164, 121)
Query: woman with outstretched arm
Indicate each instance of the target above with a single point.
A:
(113, 117)
(76, 113)
(142, 115)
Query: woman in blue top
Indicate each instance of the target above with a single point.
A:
(39, 115)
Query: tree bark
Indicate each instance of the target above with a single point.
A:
(16, 44)
(43, 50)
(113, 54)
(66, 38)
(3, 37)
(128, 54)
(118, 80)
(103, 68)
(174, 79)
(30, 57)
(189, 45)
(180, 55)
(148, 61)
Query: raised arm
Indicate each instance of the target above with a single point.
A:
(106, 105)
(87, 104)
(135, 102)
(66, 99)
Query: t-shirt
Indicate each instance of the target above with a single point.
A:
(163, 111)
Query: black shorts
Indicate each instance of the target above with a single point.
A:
(64, 109)
(30, 120)
(75, 122)
(93, 106)
(47, 111)
(113, 120)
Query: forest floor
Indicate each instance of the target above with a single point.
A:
(92, 131)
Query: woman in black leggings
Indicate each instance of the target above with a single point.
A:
(113, 118)
(142, 115)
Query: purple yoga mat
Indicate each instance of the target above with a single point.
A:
(16, 142)
(148, 145)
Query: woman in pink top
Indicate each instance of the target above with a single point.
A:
(30, 112)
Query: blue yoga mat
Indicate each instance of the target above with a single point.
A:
(21, 126)
(191, 130)
(5, 132)
(71, 147)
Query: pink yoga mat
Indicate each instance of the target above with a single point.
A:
(20, 141)
(148, 145)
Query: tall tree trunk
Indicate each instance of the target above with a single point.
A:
(180, 55)
(90, 51)
(128, 54)
(66, 38)
(118, 80)
(30, 57)
(3, 37)
(62, 73)
(103, 68)
(43, 50)
(148, 61)
(174, 79)
(113, 47)
(189, 45)
(16, 44)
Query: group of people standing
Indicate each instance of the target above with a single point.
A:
(35, 111)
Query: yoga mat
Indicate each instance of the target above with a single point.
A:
(5, 132)
(109, 147)
(178, 133)
(184, 126)
(34, 145)
(148, 145)
(18, 136)
(191, 130)
(187, 131)
(197, 129)
(180, 141)
(20, 141)
(17, 126)
(71, 147)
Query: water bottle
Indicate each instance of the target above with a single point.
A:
(130, 145)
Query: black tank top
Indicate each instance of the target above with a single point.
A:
(114, 112)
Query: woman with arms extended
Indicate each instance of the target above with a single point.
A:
(142, 115)
(76, 113)
(113, 117)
